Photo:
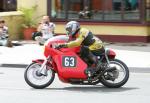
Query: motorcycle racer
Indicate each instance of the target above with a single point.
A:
(90, 44)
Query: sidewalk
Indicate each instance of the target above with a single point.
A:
(20, 56)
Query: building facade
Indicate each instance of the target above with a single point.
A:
(111, 20)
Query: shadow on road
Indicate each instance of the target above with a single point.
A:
(94, 89)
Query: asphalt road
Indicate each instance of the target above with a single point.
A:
(13, 89)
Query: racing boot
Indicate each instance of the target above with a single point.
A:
(92, 68)
(90, 71)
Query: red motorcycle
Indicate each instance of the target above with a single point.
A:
(66, 62)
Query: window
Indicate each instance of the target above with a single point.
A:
(96, 10)
(112, 10)
(58, 9)
(132, 10)
(8, 5)
(75, 6)
(148, 10)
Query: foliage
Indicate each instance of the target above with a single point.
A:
(28, 15)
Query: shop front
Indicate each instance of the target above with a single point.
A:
(112, 20)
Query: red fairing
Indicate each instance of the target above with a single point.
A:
(40, 61)
(65, 61)
(77, 71)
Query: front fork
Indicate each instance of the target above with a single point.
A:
(107, 59)
(43, 70)
(100, 63)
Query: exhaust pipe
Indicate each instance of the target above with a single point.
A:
(109, 69)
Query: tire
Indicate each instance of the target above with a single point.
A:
(36, 77)
(123, 81)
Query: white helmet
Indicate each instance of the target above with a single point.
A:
(72, 27)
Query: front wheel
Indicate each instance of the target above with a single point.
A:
(118, 77)
(38, 81)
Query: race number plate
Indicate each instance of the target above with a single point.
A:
(69, 61)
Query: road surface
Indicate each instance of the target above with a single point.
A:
(13, 89)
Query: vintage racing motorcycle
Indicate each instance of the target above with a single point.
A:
(66, 62)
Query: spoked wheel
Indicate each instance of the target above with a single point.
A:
(118, 77)
(35, 80)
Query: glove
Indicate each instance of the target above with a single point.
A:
(61, 46)
(36, 34)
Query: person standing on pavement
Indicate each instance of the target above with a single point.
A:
(45, 30)
(3, 33)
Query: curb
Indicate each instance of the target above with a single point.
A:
(14, 65)
(139, 70)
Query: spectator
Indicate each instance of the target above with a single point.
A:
(45, 30)
(3, 33)
(85, 14)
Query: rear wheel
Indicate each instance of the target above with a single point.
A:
(38, 81)
(118, 77)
